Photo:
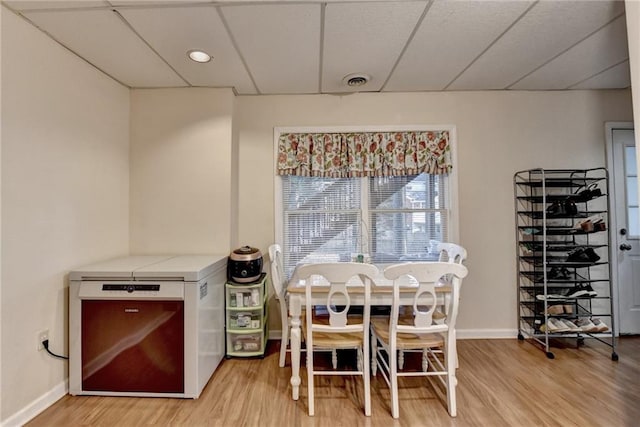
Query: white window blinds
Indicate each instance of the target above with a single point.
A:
(389, 219)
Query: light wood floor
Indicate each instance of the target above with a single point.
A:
(501, 383)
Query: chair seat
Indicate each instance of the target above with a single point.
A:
(334, 340)
(406, 341)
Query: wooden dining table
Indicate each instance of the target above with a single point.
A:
(381, 295)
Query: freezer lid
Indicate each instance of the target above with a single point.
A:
(121, 267)
(190, 268)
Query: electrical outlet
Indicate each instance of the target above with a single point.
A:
(42, 336)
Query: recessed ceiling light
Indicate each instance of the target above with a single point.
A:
(199, 55)
(356, 79)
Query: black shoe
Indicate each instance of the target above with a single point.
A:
(556, 209)
(591, 254)
(590, 291)
(591, 192)
(577, 291)
(570, 208)
(559, 273)
(554, 273)
(578, 255)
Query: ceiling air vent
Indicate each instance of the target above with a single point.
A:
(356, 80)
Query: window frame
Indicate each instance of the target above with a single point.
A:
(453, 217)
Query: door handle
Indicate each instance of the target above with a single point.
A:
(625, 247)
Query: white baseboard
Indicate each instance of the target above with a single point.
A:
(463, 334)
(30, 411)
(275, 335)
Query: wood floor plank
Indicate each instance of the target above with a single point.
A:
(500, 383)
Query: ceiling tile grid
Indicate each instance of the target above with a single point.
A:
(594, 55)
(549, 28)
(613, 78)
(162, 29)
(280, 44)
(104, 40)
(450, 37)
(309, 46)
(365, 39)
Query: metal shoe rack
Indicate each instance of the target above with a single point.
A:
(562, 238)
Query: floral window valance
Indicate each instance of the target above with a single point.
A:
(358, 154)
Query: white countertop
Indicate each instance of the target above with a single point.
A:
(140, 267)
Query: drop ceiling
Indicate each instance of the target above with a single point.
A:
(307, 47)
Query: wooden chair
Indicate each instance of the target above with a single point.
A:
(279, 284)
(340, 331)
(452, 253)
(419, 332)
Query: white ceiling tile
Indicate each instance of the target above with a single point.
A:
(595, 54)
(104, 40)
(546, 30)
(280, 44)
(452, 34)
(365, 39)
(54, 4)
(206, 32)
(616, 77)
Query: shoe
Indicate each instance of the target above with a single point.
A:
(556, 209)
(591, 255)
(586, 325)
(570, 207)
(579, 255)
(587, 287)
(551, 297)
(592, 191)
(554, 273)
(553, 325)
(600, 225)
(588, 225)
(558, 273)
(577, 291)
(569, 325)
(600, 325)
(555, 309)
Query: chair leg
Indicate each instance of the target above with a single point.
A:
(400, 359)
(451, 379)
(374, 354)
(284, 343)
(393, 379)
(310, 398)
(334, 358)
(425, 360)
(366, 379)
(360, 359)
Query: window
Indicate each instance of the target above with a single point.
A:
(383, 219)
(386, 219)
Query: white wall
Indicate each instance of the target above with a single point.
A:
(65, 199)
(181, 171)
(499, 133)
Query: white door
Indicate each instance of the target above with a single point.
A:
(626, 235)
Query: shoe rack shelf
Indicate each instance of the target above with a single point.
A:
(563, 272)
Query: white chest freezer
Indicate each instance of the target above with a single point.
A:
(146, 325)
